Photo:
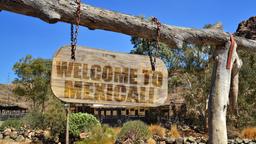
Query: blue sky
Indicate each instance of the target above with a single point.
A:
(21, 35)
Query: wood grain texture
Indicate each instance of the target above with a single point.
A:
(53, 11)
(103, 77)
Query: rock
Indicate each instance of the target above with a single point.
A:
(25, 134)
(190, 139)
(14, 134)
(251, 142)
(1, 136)
(238, 140)
(247, 28)
(231, 141)
(47, 134)
(27, 140)
(13, 129)
(7, 132)
(20, 138)
(31, 134)
(8, 138)
(56, 139)
(246, 141)
(204, 140)
(179, 141)
(170, 140)
(36, 140)
(162, 142)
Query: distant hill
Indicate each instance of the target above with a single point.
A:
(7, 97)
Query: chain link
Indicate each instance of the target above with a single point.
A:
(74, 33)
(158, 26)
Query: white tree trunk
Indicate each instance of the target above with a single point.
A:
(219, 95)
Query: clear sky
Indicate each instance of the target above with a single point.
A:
(21, 35)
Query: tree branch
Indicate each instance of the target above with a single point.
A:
(53, 11)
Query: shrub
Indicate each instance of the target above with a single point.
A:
(34, 120)
(12, 123)
(151, 141)
(249, 133)
(55, 117)
(82, 122)
(174, 133)
(157, 130)
(134, 131)
(100, 135)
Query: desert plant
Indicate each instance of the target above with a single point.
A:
(151, 141)
(34, 120)
(134, 131)
(82, 122)
(157, 130)
(12, 123)
(100, 135)
(249, 133)
(173, 132)
(55, 117)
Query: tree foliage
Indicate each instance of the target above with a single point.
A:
(189, 67)
(33, 78)
(247, 91)
(33, 83)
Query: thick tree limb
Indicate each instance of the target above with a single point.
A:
(53, 11)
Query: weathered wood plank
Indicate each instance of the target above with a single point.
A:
(103, 77)
(53, 11)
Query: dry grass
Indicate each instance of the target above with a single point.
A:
(116, 130)
(151, 141)
(157, 130)
(248, 133)
(173, 132)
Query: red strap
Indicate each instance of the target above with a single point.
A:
(231, 49)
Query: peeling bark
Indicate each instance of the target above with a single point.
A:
(234, 84)
(53, 11)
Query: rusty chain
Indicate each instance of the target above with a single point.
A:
(74, 33)
(158, 26)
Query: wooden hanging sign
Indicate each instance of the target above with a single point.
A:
(108, 78)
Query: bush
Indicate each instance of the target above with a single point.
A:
(157, 130)
(249, 133)
(151, 141)
(34, 120)
(100, 135)
(12, 123)
(55, 117)
(82, 122)
(134, 131)
(174, 133)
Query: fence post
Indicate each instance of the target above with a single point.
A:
(67, 106)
